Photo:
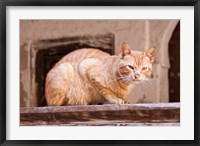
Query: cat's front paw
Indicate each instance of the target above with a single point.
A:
(120, 101)
(117, 101)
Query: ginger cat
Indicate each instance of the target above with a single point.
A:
(90, 76)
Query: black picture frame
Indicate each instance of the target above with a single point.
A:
(5, 3)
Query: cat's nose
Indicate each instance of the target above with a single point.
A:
(137, 76)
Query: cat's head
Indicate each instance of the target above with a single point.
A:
(135, 66)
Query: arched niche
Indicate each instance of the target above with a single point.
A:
(164, 62)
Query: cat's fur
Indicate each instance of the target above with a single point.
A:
(90, 76)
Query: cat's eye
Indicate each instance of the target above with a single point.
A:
(144, 68)
(131, 67)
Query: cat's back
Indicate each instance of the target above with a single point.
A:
(81, 54)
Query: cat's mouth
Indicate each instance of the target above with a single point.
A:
(131, 80)
(135, 80)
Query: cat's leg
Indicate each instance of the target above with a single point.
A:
(58, 83)
(110, 97)
(106, 93)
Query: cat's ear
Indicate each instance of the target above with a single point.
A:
(151, 52)
(124, 50)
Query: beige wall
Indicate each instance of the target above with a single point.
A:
(139, 34)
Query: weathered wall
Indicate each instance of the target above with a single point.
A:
(139, 34)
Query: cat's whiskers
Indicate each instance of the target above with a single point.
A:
(145, 82)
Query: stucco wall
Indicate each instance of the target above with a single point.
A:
(139, 34)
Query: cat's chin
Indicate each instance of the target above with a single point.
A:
(136, 81)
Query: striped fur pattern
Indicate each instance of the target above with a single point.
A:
(90, 76)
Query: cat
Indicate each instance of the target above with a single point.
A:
(90, 76)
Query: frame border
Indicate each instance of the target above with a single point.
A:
(5, 3)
